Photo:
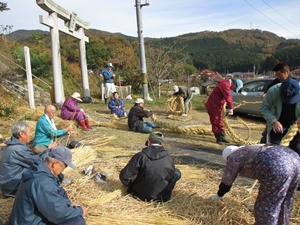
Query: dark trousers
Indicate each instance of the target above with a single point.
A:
(166, 195)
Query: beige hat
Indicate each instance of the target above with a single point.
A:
(76, 95)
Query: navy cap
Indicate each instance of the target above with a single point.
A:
(290, 91)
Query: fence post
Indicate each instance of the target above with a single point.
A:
(29, 78)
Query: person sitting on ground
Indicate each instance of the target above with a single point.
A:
(151, 173)
(135, 118)
(116, 106)
(278, 172)
(219, 96)
(71, 111)
(46, 131)
(16, 159)
(40, 199)
(187, 95)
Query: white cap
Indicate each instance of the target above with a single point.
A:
(139, 100)
(175, 88)
(228, 150)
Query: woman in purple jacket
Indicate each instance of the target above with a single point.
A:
(71, 111)
(278, 172)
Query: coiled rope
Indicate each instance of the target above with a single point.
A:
(175, 105)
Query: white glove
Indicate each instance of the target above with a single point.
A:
(229, 112)
(81, 110)
(215, 197)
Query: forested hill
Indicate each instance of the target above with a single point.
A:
(237, 50)
(230, 50)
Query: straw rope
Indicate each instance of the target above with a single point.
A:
(292, 131)
(175, 105)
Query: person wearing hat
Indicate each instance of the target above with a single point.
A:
(46, 131)
(71, 111)
(187, 95)
(40, 199)
(281, 108)
(278, 172)
(108, 76)
(151, 173)
(136, 118)
(116, 106)
(219, 96)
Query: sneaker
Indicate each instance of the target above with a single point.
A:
(184, 115)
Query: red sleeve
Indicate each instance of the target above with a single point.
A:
(226, 92)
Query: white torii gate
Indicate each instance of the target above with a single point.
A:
(72, 26)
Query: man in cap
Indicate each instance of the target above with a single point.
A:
(135, 118)
(108, 76)
(278, 172)
(281, 108)
(221, 95)
(151, 173)
(40, 199)
(187, 95)
(46, 131)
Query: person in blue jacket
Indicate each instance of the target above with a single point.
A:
(40, 200)
(108, 76)
(116, 105)
(46, 131)
(16, 159)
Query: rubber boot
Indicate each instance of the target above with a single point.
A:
(83, 126)
(105, 100)
(223, 137)
(219, 139)
(87, 124)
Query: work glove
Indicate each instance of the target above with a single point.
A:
(215, 197)
(229, 112)
(81, 110)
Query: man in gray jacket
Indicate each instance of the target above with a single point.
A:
(16, 158)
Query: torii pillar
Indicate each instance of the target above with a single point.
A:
(74, 27)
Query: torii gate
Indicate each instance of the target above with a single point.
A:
(73, 26)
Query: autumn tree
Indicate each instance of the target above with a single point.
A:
(165, 62)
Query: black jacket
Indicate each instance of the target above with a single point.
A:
(135, 118)
(148, 173)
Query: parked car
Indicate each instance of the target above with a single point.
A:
(250, 96)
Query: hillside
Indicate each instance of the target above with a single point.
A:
(227, 51)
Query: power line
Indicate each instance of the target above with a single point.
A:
(281, 14)
(271, 19)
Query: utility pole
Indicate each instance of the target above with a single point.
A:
(143, 67)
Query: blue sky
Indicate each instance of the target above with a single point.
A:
(167, 18)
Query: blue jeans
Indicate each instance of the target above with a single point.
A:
(148, 127)
(187, 102)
